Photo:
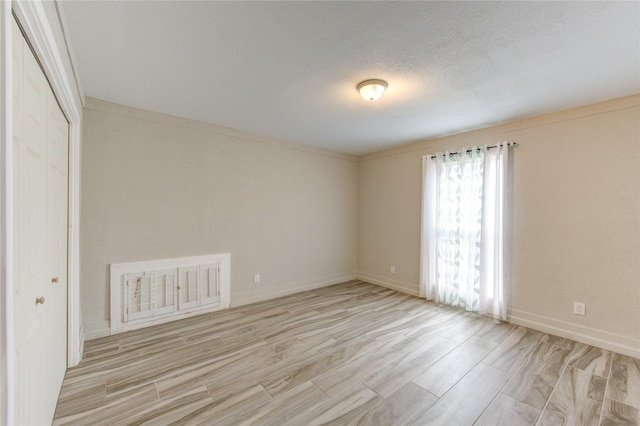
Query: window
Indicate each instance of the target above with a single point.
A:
(465, 250)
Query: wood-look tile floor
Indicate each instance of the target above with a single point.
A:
(352, 353)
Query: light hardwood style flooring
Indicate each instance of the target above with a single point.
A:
(352, 353)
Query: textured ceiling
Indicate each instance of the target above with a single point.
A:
(289, 70)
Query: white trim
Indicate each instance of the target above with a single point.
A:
(98, 329)
(75, 338)
(401, 286)
(69, 53)
(131, 112)
(35, 23)
(248, 297)
(579, 333)
(498, 131)
(6, 217)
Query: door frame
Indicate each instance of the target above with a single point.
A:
(35, 22)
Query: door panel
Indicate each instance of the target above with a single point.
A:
(40, 163)
(35, 168)
(57, 155)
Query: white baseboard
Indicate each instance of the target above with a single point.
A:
(579, 333)
(401, 286)
(98, 329)
(246, 298)
(587, 335)
(81, 348)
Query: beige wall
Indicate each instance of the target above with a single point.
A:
(576, 219)
(156, 187)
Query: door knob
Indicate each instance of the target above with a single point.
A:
(54, 280)
(40, 300)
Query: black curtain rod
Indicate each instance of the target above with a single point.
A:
(513, 144)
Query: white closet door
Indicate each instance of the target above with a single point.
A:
(40, 229)
(57, 203)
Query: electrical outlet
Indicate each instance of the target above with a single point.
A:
(392, 269)
(579, 308)
(256, 279)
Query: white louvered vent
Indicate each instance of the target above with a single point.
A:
(153, 292)
(188, 287)
(210, 282)
(163, 291)
(138, 296)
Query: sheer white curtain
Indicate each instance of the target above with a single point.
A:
(465, 244)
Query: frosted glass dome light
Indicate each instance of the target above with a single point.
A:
(371, 90)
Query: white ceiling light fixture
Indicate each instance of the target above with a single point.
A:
(372, 90)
